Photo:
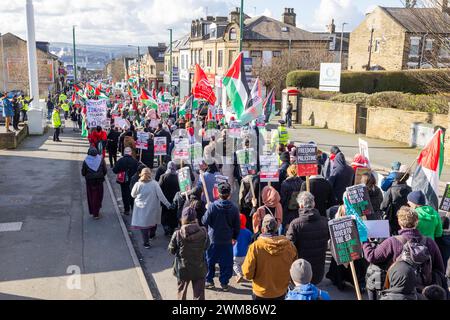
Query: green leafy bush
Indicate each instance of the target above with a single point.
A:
(357, 98)
(314, 93)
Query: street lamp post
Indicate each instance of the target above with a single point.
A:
(171, 61)
(74, 56)
(139, 67)
(342, 41)
(241, 26)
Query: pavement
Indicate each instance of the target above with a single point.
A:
(50, 247)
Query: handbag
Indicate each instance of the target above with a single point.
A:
(121, 177)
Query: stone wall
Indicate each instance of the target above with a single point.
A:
(395, 125)
(328, 114)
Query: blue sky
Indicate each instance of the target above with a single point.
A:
(145, 22)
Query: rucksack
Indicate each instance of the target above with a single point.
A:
(417, 255)
(293, 203)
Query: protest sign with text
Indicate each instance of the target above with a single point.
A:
(96, 111)
(160, 145)
(307, 160)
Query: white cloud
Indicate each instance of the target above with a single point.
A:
(339, 10)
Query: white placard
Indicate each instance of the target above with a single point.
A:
(96, 113)
(364, 148)
(330, 77)
(378, 228)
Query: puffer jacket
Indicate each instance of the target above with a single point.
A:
(430, 222)
(288, 187)
(189, 245)
(307, 292)
(309, 233)
(341, 177)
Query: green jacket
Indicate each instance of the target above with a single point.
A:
(430, 222)
(56, 119)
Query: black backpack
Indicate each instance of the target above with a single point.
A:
(415, 252)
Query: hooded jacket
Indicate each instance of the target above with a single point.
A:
(341, 176)
(394, 199)
(307, 292)
(288, 187)
(309, 233)
(430, 222)
(402, 281)
(271, 199)
(268, 264)
(189, 245)
(323, 194)
(223, 222)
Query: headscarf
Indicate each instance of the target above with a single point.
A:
(93, 160)
(271, 199)
(359, 161)
(171, 168)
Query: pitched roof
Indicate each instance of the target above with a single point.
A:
(266, 28)
(155, 51)
(420, 20)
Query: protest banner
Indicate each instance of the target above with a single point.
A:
(345, 245)
(307, 162)
(358, 198)
(142, 140)
(364, 148)
(164, 110)
(181, 150)
(269, 168)
(377, 229)
(96, 111)
(359, 173)
(184, 180)
(445, 203)
(160, 146)
(234, 130)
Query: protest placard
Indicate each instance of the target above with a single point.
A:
(269, 168)
(160, 145)
(246, 159)
(359, 173)
(164, 110)
(184, 179)
(234, 130)
(96, 111)
(154, 123)
(364, 148)
(219, 179)
(445, 203)
(307, 160)
(345, 244)
(377, 229)
(142, 140)
(181, 150)
(358, 197)
(196, 153)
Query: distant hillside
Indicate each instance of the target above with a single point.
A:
(93, 57)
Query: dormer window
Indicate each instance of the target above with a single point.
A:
(233, 34)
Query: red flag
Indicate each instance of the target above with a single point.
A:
(97, 91)
(76, 88)
(202, 88)
(144, 95)
(74, 98)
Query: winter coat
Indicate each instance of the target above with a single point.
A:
(394, 199)
(388, 181)
(376, 198)
(388, 251)
(430, 222)
(268, 264)
(271, 200)
(147, 204)
(223, 222)
(341, 176)
(402, 283)
(169, 186)
(307, 292)
(309, 233)
(189, 245)
(288, 187)
(113, 141)
(323, 193)
(149, 154)
(245, 192)
(94, 178)
(126, 164)
(283, 171)
(7, 108)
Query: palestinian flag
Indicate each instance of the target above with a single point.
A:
(186, 106)
(269, 106)
(429, 168)
(236, 85)
(76, 88)
(147, 100)
(74, 98)
(89, 88)
(98, 91)
(202, 89)
(256, 109)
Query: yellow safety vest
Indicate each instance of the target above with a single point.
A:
(56, 119)
(65, 107)
(283, 135)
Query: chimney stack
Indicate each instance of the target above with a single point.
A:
(331, 27)
(289, 17)
(235, 15)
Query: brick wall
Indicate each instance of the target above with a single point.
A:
(328, 114)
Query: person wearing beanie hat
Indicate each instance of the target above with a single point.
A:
(240, 248)
(223, 223)
(189, 244)
(268, 262)
(430, 222)
(301, 275)
(125, 168)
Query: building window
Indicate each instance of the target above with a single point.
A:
(414, 48)
(429, 45)
(444, 52)
(233, 34)
(332, 43)
(377, 46)
(231, 57)
(277, 54)
(220, 59)
(256, 54)
(209, 58)
(152, 69)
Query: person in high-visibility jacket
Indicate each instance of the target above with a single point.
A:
(56, 122)
(281, 136)
(62, 97)
(25, 101)
(65, 107)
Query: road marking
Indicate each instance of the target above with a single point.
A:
(11, 226)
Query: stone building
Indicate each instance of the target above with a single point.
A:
(14, 66)
(334, 37)
(402, 38)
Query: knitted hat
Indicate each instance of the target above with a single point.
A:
(417, 197)
(301, 271)
(270, 224)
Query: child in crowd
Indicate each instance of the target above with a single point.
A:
(240, 248)
(301, 275)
